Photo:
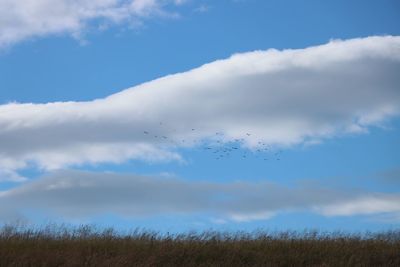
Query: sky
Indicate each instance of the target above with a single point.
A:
(179, 115)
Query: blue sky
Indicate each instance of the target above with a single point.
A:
(326, 110)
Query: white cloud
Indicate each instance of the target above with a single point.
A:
(72, 195)
(202, 8)
(22, 19)
(363, 206)
(281, 98)
(9, 175)
(247, 217)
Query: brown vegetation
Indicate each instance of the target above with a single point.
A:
(88, 246)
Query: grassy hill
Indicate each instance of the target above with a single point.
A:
(56, 245)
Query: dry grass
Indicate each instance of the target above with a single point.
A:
(56, 245)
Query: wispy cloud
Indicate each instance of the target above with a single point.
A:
(20, 20)
(363, 205)
(202, 8)
(281, 98)
(82, 195)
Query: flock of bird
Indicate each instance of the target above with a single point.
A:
(220, 149)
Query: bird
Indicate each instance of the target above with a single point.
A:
(145, 132)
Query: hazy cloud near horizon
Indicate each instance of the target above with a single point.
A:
(72, 195)
(282, 98)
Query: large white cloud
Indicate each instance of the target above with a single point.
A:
(83, 195)
(280, 98)
(380, 203)
(22, 19)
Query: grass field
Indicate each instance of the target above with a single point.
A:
(57, 245)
